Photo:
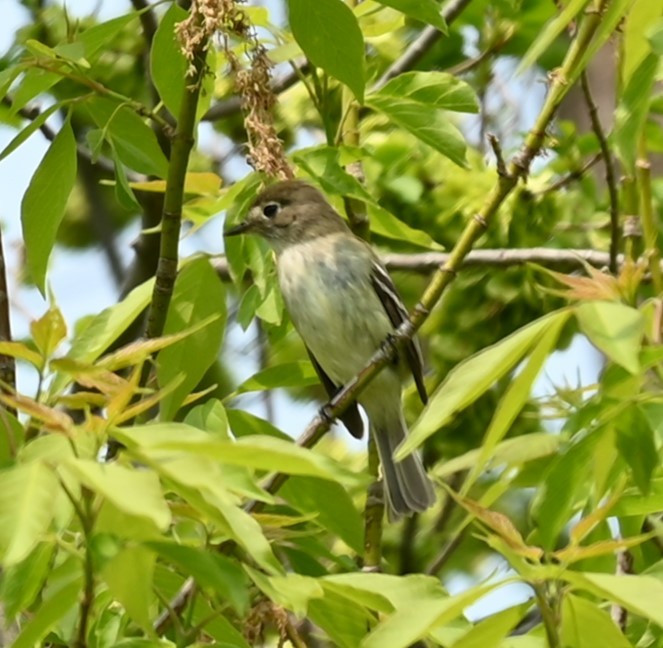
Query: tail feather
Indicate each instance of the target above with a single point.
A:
(407, 488)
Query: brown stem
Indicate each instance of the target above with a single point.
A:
(610, 178)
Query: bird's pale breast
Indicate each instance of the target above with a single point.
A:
(329, 296)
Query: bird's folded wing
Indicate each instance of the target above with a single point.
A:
(351, 417)
(397, 313)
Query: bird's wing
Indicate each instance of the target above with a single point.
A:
(397, 313)
(351, 417)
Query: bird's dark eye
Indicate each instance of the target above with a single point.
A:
(271, 209)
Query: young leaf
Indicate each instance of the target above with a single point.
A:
(198, 295)
(471, 378)
(515, 397)
(211, 571)
(328, 32)
(53, 609)
(290, 374)
(426, 123)
(615, 329)
(331, 504)
(133, 140)
(45, 200)
(48, 331)
(427, 11)
(641, 594)
(129, 576)
(585, 625)
(168, 66)
(132, 490)
(27, 495)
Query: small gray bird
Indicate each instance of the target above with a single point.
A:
(344, 305)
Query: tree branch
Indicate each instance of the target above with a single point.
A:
(427, 262)
(171, 219)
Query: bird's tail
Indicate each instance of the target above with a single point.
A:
(407, 487)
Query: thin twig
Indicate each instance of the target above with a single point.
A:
(610, 177)
(446, 552)
(570, 177)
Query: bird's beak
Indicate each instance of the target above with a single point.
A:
(239, 229)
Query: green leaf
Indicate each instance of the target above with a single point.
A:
(320, 28)
(261, 452)
(510, 452)
(210, 417)
(22, 582)
(472, 377)
(515, 397)
(291, 591)
(632, 501)
(27, 496)
(641, 16)
(632, 111)
(416, 102)
(615, 329)
(345, 624)
(585, 625)
(438, 89)
(554, 502)
(133, 490)
(641, 595)
(610, 19)
(129, 576)
(210, 570)
(34, 82)
(133, 140)
(425, 122)
(123, 191)
(48, 331)
(427, 11)
(330, 503)
(48, 614)
(33, 125)
(289, 374)
(97, 37)
(551, 32)
(106, 327)
(492, 630)
(198, 295)
(216, 502)
(168, 66)
(636, 444)
(45, 200)
(419, 604)
(246, 424)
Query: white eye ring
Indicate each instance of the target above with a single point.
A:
(271, 209)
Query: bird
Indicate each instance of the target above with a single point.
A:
(344, 306)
